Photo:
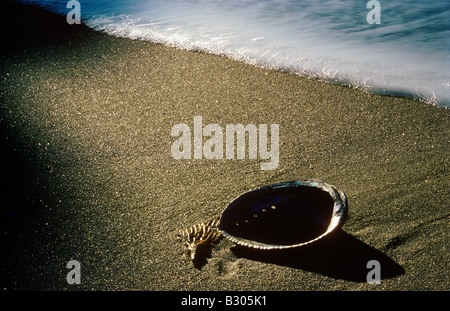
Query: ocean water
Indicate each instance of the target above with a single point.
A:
(406, 54)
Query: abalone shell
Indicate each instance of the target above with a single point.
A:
(284, 215)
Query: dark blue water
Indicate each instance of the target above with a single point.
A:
(406, 54)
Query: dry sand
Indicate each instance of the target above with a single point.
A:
(86, 121)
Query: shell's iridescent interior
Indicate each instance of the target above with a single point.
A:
(282, 216)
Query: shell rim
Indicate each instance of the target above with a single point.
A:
(339, 216)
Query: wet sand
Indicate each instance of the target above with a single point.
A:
(86, 123)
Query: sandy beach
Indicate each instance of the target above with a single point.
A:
(86, 122)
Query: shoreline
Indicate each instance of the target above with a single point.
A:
(86, 119)
(83, 29)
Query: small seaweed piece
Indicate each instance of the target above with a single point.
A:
(202, 234)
